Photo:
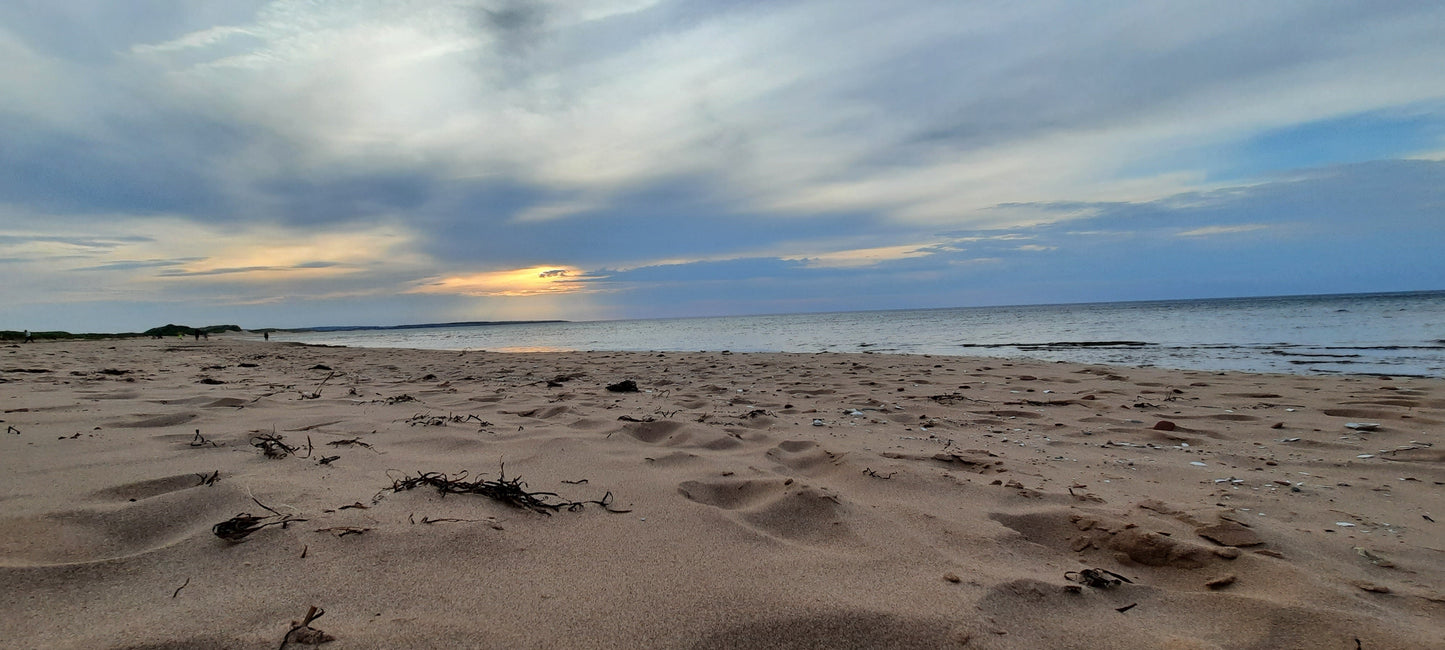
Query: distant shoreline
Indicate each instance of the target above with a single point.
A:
(186, 330)
(416, 326)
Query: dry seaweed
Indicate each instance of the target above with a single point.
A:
(240, 526)
(302, 632)
(201, 441)
(272, 445)
(624, 386)
(512, 492)
(343, 531)
(950, 399)
(428, 520)
(1097, 578)
(209, 479)
(351, 441)
(396, 399)
(429, 420)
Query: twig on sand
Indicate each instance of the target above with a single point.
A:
(183, 586)
(317, 393)
(428, 520)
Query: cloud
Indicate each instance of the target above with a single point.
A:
(862, 256)
(246, 270)
(1210, 231)
(30, 241)
(423, 151)
(533, 281)
(1000, 105)
(131, 265)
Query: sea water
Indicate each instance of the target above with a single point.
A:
(1388, 334)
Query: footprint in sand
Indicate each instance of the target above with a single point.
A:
(804, 457)
(164, 512)
(779, 509)
(1067, 531)
(156, 421)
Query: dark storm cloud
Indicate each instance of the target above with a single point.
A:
(144, 165)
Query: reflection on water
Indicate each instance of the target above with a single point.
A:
(1402, 333)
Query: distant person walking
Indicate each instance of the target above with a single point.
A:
(28, 337)
(266, 335)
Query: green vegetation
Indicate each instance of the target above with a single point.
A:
(154, 332)
(172, 330)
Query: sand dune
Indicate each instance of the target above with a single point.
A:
(752, 500)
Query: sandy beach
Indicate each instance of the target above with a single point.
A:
(731, 500)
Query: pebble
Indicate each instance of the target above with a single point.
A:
(1362, 426)
(1228, 533)
(1221, 582)
(1344, 524)
(1197, 464)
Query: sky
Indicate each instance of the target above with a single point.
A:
(372, 162)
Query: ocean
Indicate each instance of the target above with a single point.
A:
(1400, 334)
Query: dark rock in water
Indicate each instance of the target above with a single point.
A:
(1164, 425)
(624, 386)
